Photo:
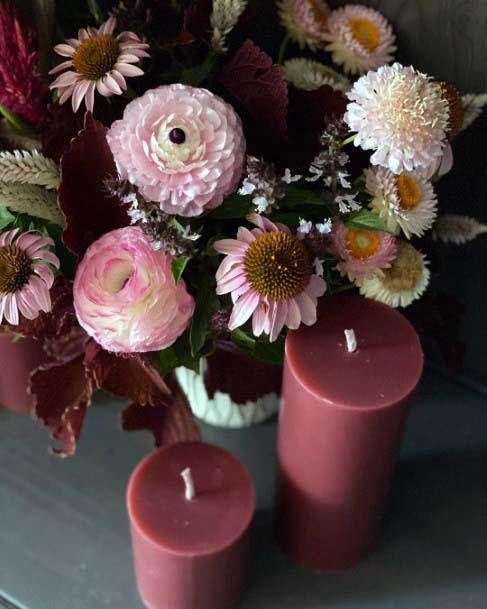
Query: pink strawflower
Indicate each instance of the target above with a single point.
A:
(25, 275)
(125, 295)
(401, 115)
(305, 21)
(362, 252)
(97, 61)
(359, 38)
(269, 274)
(182, 147)
(21, 86)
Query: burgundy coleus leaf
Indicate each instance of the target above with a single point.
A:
(131, 376)
(169, 423)
(62, 393)
(258, 86)
(90, 211)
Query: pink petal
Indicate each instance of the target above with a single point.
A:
(103, 89)
(227, 286)
(293, 320)
(62, 66)
(51, 258)
(230, 246)
(259, 319)
(8, 237)
(231, 274)
(226, 265)
(65, 80)
(90, 97)
(79, 93)
(66, 95)
(38, 289)
(11, 311)
(307, 308)
(112, 85)
(127, 58)
(243, 234)
(109, 26)
(44, 273)
(31, 242)
(120, 80)
(278, 319)
(2, 306)
(243, 309)
(26, 305)
(127, 69)
(316, 287)
(64, 49)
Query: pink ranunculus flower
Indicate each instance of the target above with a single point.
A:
(126, 297)
(181, 146)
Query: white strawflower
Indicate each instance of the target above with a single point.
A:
(310, 75)
(24, 167)
(405, 202)
(452, 228)
(305, 21)
(223, 19)
(401, 284)
(360, 38)
(401, 115)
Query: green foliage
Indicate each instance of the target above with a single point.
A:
(177, 267)
(260, 348)
(367, 220)
(233, 207)
(6, 218)
(206, 303)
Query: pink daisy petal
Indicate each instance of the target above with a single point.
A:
(259, 319)
(103, 89)
(62, 66)
(316, 287)
(78, 94)
(11, 311)
(48, 256)
(307, 308)
(127, 69)
(65, 50)
(40, 293)
(26, 307)
(278, 319)
(120, 80)
(66, 94)
(109, 26)
(243, 309)
(243, 234)
(229, 285)
(90, 97)
(293, 319)
(230, 246)
(44, 273)
(226, 265)
(65, 80)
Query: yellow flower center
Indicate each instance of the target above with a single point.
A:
(362, 243)
(408, 190)
(278, 265)
(96, 56)
(319, 11)
(455, 107)
(365, 32)
(406, 270)
(15, 269)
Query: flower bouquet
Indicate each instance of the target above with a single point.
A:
(170, 192)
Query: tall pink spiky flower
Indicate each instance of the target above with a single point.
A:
(21, 86)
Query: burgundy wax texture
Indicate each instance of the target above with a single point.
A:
(190, 554)
(18, 358)
(340, 427)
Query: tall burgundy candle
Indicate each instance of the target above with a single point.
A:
(340, 428)
(190, 507)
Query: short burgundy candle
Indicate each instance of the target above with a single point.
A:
(190, 554)
(340, 428)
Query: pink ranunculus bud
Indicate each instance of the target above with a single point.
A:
(126, 297)
(183, 147)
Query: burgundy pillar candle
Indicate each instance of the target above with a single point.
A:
(18, 358)
(341, 421)
(190, 507)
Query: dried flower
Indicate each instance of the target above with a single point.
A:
(263, 184)
(125, 295)
(359, 38)
(97, 61)
(401, 114)
(330, 164)
(21, 86)
(33, 200)
(347, 203)
(405, 202)
(310, 75)
(304, 21)
(452, 228)
(403, 282)
(25, 275)
(182, 147)
(24, 167)
(269, 274)
(472, 107)
(224, 17)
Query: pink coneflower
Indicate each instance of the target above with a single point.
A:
(97, 60)
(21, 86)
(361, 251)
(269, 274)
(25, 275)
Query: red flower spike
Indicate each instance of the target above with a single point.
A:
(90, 212)
(168, 424)
(62, 393)
(258, 85)
(131, 376)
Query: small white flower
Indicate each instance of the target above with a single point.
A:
(261, 204)
(325, 227)
(347, 203)
(247, 187)
(288, 178)
(304, 228)
(318, 267)
(317, 174)
(342, 178)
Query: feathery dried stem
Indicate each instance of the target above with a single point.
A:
(24, 167)
(452, 228)
(223, 19)
(33, 200)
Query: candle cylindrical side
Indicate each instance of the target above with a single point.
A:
(340, 428)
(190, 553)
(18, 358)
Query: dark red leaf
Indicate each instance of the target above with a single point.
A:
(168, 423)
(131, 376)
(258, 86)
(90, 212)
(62, 392)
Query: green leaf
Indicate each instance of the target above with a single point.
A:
(167, 360)
(95, 11)
(6, 218)
(206, 302)
(367, 220)
(182, 349)
(16, 122)
(243, 341)
(234, 206)
(271, 352)
(177, 267)
(195, 75)
(296, 195)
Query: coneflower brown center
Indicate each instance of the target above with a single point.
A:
(15, 269)
(278, 265)
(455, 107)
(96, 56)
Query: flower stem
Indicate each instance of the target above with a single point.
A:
(18, 123)
(282, 49)
(348, 140)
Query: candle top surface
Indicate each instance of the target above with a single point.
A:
(384, 369)
(217, 516)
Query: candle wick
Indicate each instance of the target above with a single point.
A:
(189, 491)
(351, 341)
